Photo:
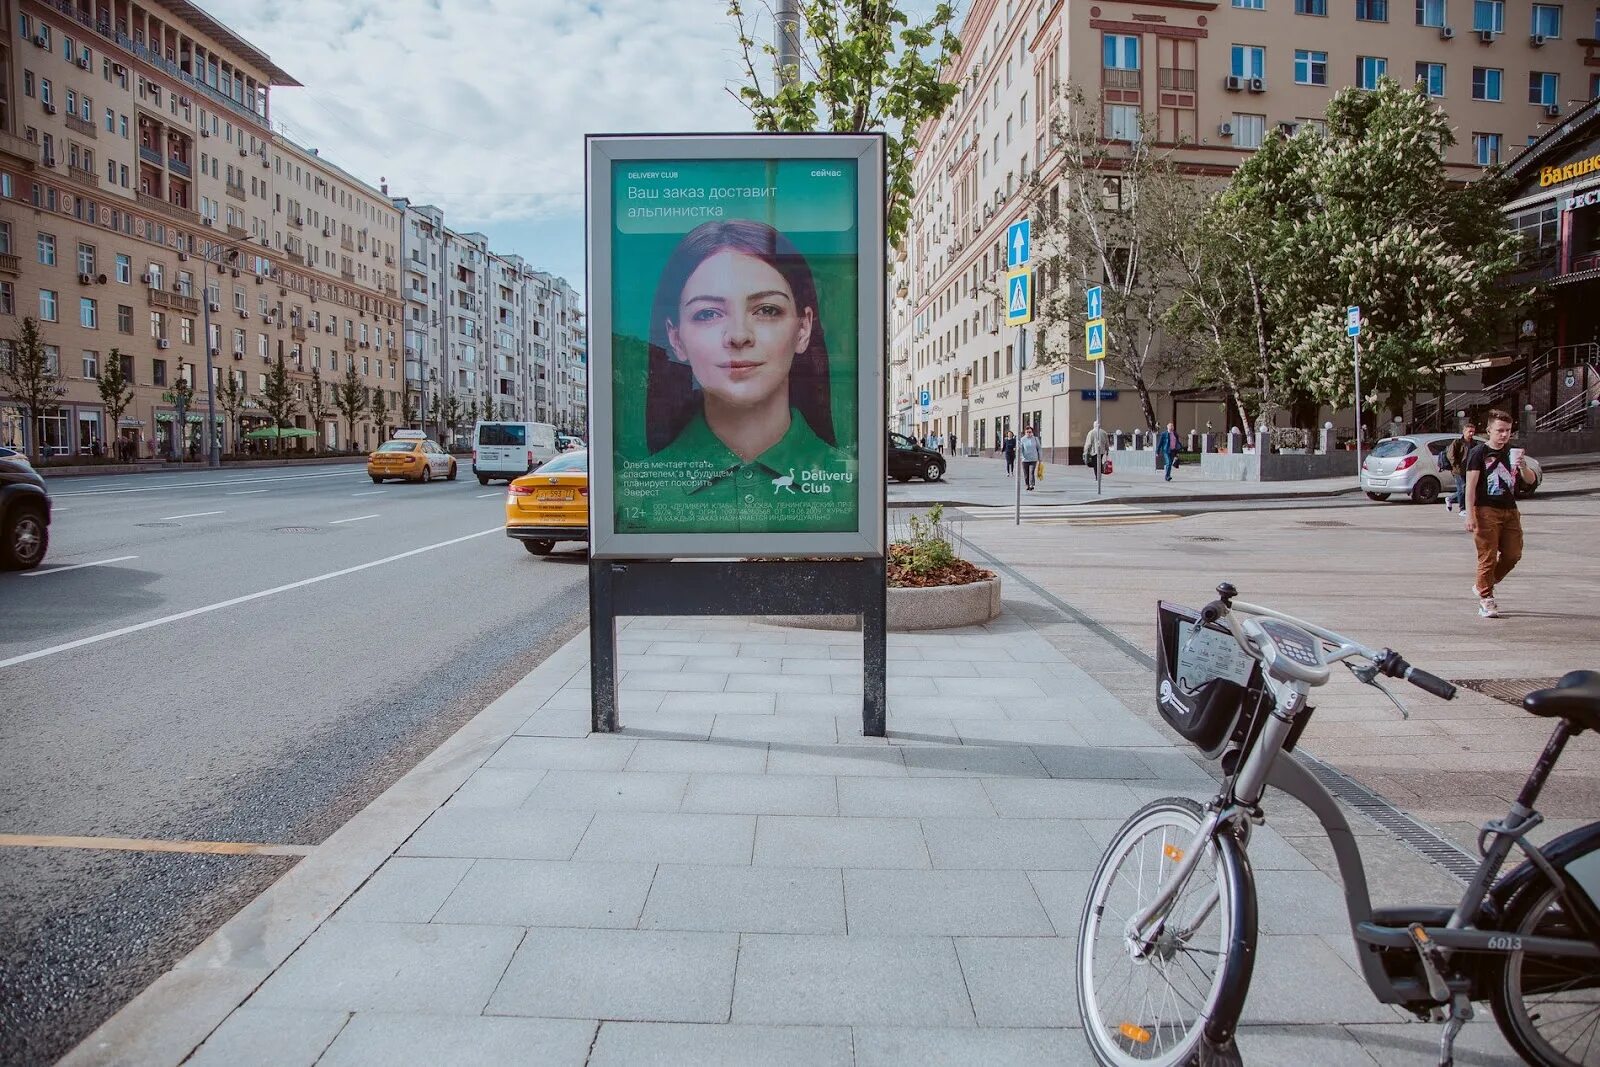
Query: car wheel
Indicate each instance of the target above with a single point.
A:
(1426, 491)
(427, 474)
(26, 539)
(1377, 496)
(376, 480)
(539, 548)
(483, 480)
(452, 475)
(933, 472)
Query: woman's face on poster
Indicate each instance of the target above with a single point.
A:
(738, 328)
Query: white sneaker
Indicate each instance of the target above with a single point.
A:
(1487, 608)
(1450, 505)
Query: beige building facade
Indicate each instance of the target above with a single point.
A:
(1214, 78)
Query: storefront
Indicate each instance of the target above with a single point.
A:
(68, 430)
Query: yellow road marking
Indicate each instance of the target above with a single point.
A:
(141, 844)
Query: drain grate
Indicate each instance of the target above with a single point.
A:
(158, 524)
(1511, 690)
(1419, 837)
(1326, 523)
(295, 529)
(1205, 539)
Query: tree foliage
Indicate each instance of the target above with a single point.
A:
(317, 405)
(380, 413)
(863, 65)
(233, 396)
(31, 374)
(182, 393)
(116, 394)
(278, 399)
(350, 397)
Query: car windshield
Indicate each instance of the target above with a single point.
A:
(900, 441)
(502, 433)
(1394, 446)
(571, 461)
(397, 446)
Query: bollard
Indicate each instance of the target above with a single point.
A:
(1192, 436)
(1138, 440)
(1529, 422)
(1325, 438)
(1235, 439)
(1208, 442)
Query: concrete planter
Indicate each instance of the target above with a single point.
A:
(934, 607)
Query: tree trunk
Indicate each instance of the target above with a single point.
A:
(1144, 399)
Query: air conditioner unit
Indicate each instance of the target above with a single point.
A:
(183, 257)
(100, 279)
(260, 280)
(204, 132)
(85, 279)
(1552, 110)
(1258, 85)
(1233, 83)
(234, 271)
(242, 152)
(118, 69)
(1486, 36)
(49, 109)
(265, 162)
(1225, 129)
(1537, 40)
(144, 279)
(1447, 33)
(238, 355)
(42, 41)
(214, 307)
(85, 64)
(183, 101)
(206, 222)
(163, 343)
(243, 314)
(49, 161)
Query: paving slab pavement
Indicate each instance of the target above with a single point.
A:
(749, 880)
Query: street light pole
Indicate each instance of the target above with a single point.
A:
(214, 452)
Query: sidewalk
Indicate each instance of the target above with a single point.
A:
(740, 877)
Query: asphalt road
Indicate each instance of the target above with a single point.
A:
(236, 656)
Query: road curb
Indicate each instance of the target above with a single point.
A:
(118, 469)
(1161, 499)
(179, 1010)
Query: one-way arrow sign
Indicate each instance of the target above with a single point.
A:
(1019, 237)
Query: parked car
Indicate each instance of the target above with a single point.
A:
(551, 504)
(1413, 466)
(906, 460)
(24, 513)
(410, 456)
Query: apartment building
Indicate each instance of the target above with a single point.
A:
(1215, 78)
(422, 260)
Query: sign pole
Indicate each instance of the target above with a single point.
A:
(1355, 347)
(1099, 385)
(1022, 338)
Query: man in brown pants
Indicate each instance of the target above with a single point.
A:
(1493, 469)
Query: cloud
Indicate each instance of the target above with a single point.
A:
(480, 107)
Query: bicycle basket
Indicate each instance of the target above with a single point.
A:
(1204, 681)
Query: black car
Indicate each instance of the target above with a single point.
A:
(24, 513)
(906, 460)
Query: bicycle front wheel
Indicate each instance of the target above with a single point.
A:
(1155, 1005)
(1548, 1007)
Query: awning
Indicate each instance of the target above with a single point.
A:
(129, 422)
(166, 416)
(1476, 364)
(267, 433)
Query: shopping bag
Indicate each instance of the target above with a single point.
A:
(1038, 475)
(1108, 465)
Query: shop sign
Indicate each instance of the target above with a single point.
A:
(1556, 175)
(1584, 199)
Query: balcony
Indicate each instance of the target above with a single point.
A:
(1112, 78)
(348, 275)
(78, 126)
(237, 231)
(296, 258)
(149, 155)
(160, 298)
(178, 167)
(349, 344)
(12, 145)
(297, 333)
(295, 221)
(1175, 80)
(156, 203)
(236, 191)
(9, 264)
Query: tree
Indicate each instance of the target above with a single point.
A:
(182, 394)
(489, 409)
(436, 414)
(317, 406)
(408, 402)
(116, 394)
(1112, 214)
(1363, 215)
(233, 397)
(380, 413)
(278, 399)
(863, 65)
(450, 411)
(350, 397)
(30, 372)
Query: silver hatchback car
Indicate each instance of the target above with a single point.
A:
(1413, 466)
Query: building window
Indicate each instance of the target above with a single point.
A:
(47, 305)
(1249, 61)
(124, 318)
(1120, 53)
(1370, 70)
(1431, 77)
(91, 364)
(1372, 10)
(1122, 122)
(1486, 149)
(1489, 15)
(1486, 83)
(88, 313)
(1310, 68)
(1546, 20)
(1544, 88)
(47, 249)
(8, 299)
(1250, 5)
(1310, 7)
(85, 259)
(158, 372)
(1430, 13)
(1539, 232)
(1248, 130)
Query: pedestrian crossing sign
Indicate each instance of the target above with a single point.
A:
(1019, 298)
(1094, 338)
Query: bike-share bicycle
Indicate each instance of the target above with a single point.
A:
(1168, 936)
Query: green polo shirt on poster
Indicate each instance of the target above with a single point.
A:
(697, 484)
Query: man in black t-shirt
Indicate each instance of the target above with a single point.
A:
(1491, 506)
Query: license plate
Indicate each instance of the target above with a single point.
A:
(556, 494)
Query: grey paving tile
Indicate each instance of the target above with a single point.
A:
(797, 665)
(913, 797)
(821, 704)
(1014, 844)
(798, 650)
(405, 889)
(667, 726)
(694, 648)
(270, 1037)
(1410, 1043)
(1010, 761)
(831, 981)
(802, 841)
(1325, 1046)
(459, 1042)
(1174, 765)
(594, 753)
(1021, 981)
(1060, 798)
(1278, 991)
(678, 837)
(607, 791)
(926, 668)
(635, 661)
(762, 794)
(1010, 690)
(727, 757)
(1062, 893)
(740, 664)
(777, 683)
(498, 834)
(1300, 902)
(637, 975)
(673, 682)
(943, 904)
(842, 760)
(771, 900)
(1063, 761)
(492, 788)
(556, 723)
(966, 707)
(403, 967)
(713, 703)
(890, 1047)
(1120, 732)
(797, 729)
(628, 1044)
(542, 893)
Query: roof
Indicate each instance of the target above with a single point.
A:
(1585, 119)
(196, 16)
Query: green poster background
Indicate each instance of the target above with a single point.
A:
(813, 203)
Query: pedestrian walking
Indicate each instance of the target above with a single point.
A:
(1009, 447)
(1028, 452)
(1493, 470)
(1094, 445)
(1167, 449)
(1455, 454)
(938, 443)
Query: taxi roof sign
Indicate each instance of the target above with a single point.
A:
(410, 435)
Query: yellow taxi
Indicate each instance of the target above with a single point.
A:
(412, 457)
(551, 504)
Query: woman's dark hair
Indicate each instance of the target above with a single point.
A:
(671, 399)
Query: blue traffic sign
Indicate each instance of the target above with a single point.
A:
(1019, 240)
(1352, 321)
(1019, 298)
(1091, 300)
(1094, 339)
(926, 399)
(1058, 378)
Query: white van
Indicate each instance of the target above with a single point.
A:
(510, 449)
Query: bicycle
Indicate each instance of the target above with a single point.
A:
(1167, 940)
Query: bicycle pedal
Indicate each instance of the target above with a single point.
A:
(1428, 953)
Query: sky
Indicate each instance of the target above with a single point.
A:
(480, 106)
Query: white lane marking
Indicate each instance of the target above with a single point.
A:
(219, 605)
(76, 566)
(203, 485)
(245, 492)
(480, 496)
(191, 515)
(358, 518)
(370, 492)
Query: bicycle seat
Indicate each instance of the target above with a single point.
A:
(1576, 698)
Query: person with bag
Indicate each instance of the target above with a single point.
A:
(1009, 447)
(1094, 446)
(1167, 449)
(1455, 457)
(1028, 452)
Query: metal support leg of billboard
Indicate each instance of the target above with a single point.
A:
(737, 587)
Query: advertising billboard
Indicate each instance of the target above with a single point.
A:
(736, 287)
